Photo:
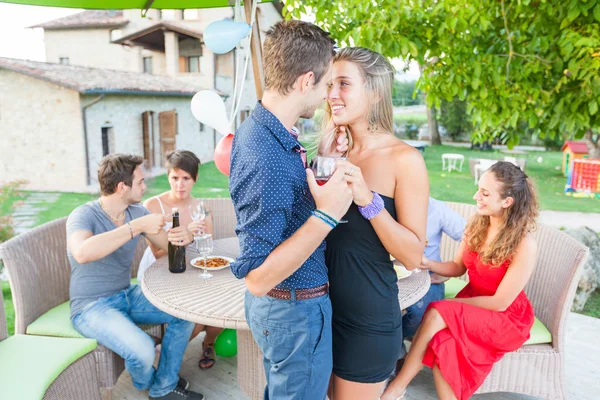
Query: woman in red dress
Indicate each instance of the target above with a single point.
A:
(462, 338)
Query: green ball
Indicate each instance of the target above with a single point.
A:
(226, 343)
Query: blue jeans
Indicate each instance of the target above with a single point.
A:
(295, 339)
(414, 314)
(112, 322)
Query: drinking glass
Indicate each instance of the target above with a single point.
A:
(323, 168)
(204, 246)
(197, 211)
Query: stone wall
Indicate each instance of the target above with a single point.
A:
(590, 277)
(123, 113)
(41, 134)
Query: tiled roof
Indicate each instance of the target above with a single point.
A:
(576, 147)
(96, 80)
(87, 19)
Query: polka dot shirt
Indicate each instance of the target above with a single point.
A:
(271, 197)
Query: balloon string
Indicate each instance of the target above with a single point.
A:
(237, 16)
(236, 104)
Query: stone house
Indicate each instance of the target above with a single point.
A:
(58, 121)
(114, 82)
(165, 43)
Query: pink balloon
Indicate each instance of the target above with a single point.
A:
(223, 154)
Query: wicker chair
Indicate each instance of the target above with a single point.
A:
(39, 274)
(538, 370)
(79, 381)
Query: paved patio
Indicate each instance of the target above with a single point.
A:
(582, 371)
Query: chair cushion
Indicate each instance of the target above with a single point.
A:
(539, 333)
(57, 322)
(452, 286)
(31, 363)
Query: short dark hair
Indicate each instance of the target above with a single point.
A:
(115, 168)
(184, 160)
(293, 48)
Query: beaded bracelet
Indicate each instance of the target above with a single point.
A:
(324, 219)
(329, 217)
(130, 230)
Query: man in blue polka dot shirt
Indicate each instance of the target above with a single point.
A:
(284, 216)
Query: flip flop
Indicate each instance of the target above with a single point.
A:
(208, 356)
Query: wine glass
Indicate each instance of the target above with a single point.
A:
(197, 211)
(204, 246)
(323, 168)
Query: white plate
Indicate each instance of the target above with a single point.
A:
(401, 272)
(193, 262)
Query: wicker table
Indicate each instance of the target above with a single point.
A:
(219, 301)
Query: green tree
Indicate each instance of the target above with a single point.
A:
(536, 61)
(404, 92)
(453, 117)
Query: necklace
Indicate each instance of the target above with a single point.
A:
(110, 216)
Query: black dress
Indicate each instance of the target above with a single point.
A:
(367, 321)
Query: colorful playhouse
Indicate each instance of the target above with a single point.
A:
(583, 179)
(571, 151)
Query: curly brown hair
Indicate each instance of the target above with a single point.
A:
(519, 219)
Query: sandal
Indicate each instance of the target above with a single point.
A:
(208, 356)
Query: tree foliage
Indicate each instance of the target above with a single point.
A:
(528, 61)
(406, 94)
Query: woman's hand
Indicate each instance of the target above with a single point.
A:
(180, 236)
(197, 228)
(353, 175)
(336, 143)
(425, 263)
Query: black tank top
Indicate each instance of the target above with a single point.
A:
(363, 284)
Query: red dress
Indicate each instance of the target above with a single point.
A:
(476, 338)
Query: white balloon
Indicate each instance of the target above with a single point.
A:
(208, 107)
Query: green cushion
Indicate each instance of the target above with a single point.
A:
(31, 363)
(57, 322)
(452, 286)
(539, 333)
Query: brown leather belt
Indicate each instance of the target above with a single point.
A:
(301, 294)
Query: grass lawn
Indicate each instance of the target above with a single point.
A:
(460, 187)
(592, 306)
(454, 186)
(211, 183)
(8, 307)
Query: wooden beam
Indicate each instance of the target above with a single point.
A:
(255, 50)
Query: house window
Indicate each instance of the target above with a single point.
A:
(106, 134)
(193, 64)
(64, 60)
(147, 65)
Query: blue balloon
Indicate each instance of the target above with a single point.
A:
(222, 36)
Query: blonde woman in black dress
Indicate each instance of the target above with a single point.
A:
(391, 188)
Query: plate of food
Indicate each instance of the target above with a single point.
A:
(213, 263)
(401, 272)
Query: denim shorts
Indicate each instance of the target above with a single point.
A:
(295, 339)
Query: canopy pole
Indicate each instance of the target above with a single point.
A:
(255, 50)
(147, 7)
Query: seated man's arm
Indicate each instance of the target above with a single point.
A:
(87, 247)
(269, 259)
(453, 224)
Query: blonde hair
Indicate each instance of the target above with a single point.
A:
(378, 74)
(519, 219)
